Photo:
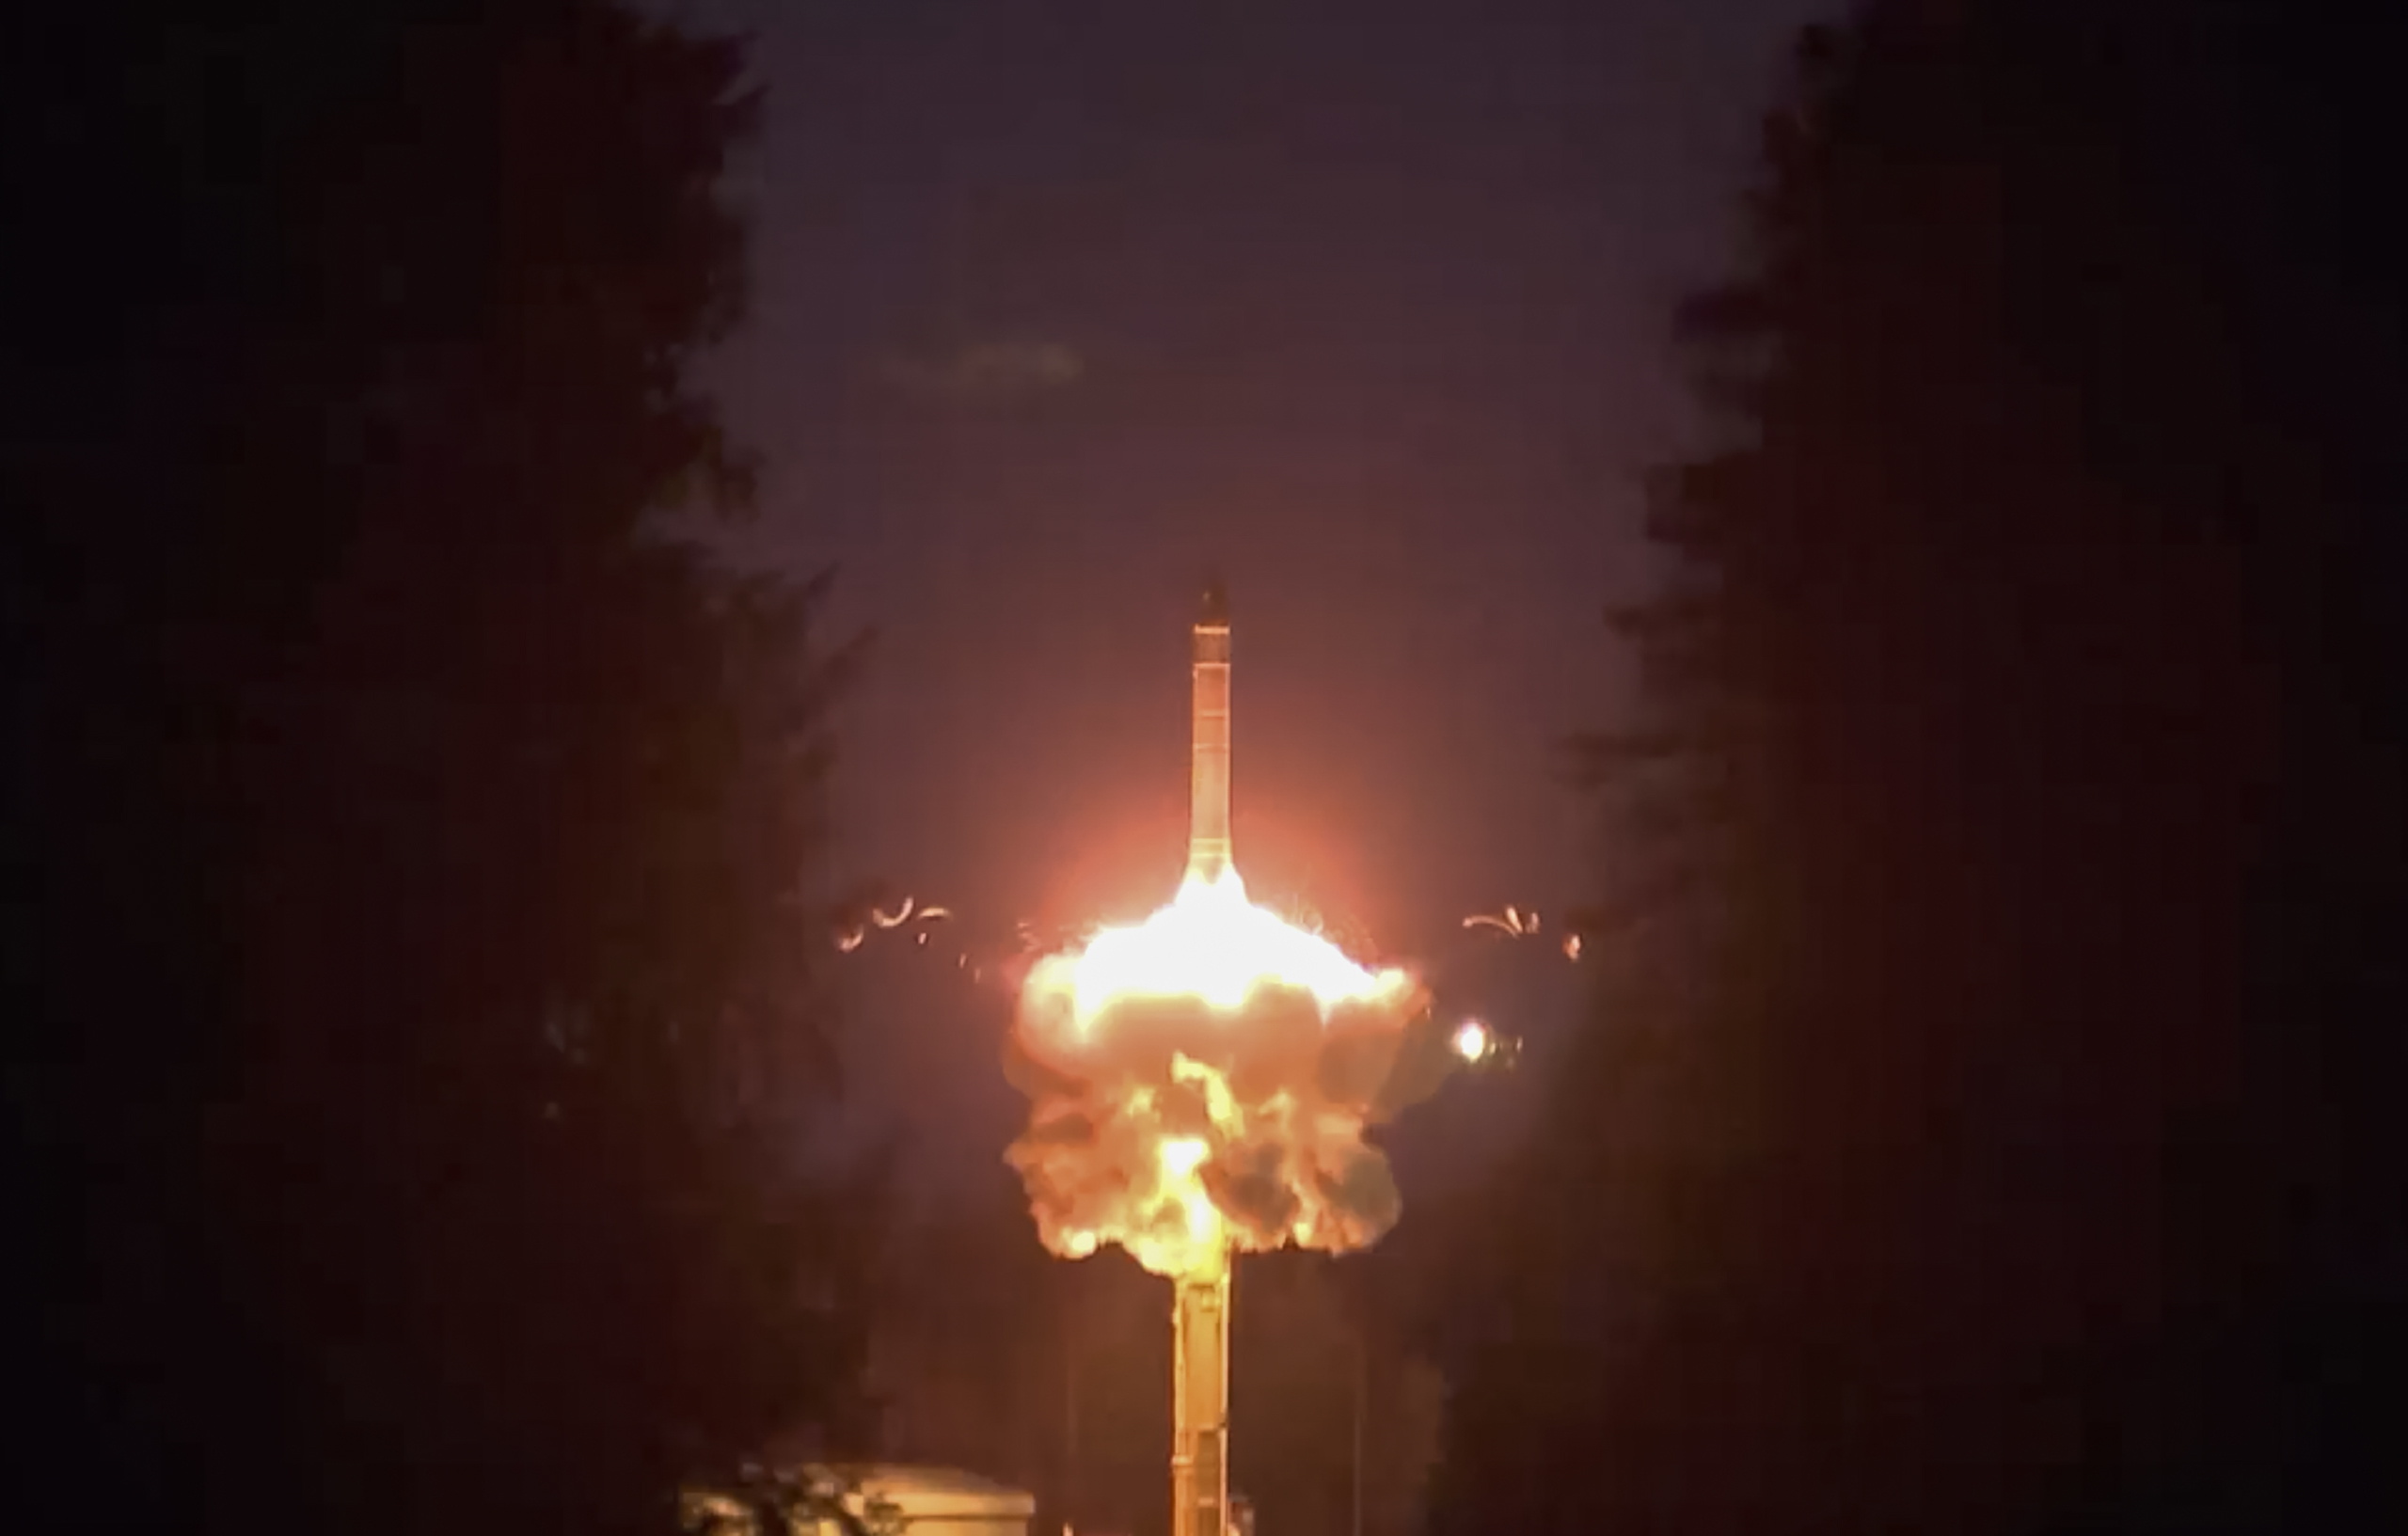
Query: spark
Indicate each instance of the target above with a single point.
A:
(1472, 1041)
(851, 934)
(1512, 921)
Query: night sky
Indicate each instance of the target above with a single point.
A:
(1057, 306)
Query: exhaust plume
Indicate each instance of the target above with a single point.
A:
(1200, 1084)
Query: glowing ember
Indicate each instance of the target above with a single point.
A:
(1201, 1081)
(1472, 1041)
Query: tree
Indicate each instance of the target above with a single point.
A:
(419, 990)
(2005, 881)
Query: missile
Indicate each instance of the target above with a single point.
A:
(1199, 1459)
(1208, 812)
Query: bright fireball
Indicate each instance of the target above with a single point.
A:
(1233, 1132)
(1213, 943)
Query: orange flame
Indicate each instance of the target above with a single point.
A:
(1206, 1074)
(1213, 943)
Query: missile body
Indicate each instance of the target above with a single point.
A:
(1208, 815)
(1199, 1468)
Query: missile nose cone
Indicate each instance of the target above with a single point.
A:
(1216, 609)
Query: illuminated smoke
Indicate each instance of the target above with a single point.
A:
(1200, 1083)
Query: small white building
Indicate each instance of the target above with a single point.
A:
(933, 1500)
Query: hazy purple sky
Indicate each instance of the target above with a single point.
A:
(1056, 306)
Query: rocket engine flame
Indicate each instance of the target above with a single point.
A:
(1201, 1081)
(1213, 943)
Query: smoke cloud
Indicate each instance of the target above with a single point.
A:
(1155, 1115)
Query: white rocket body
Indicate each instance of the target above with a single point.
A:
(1208, 815)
